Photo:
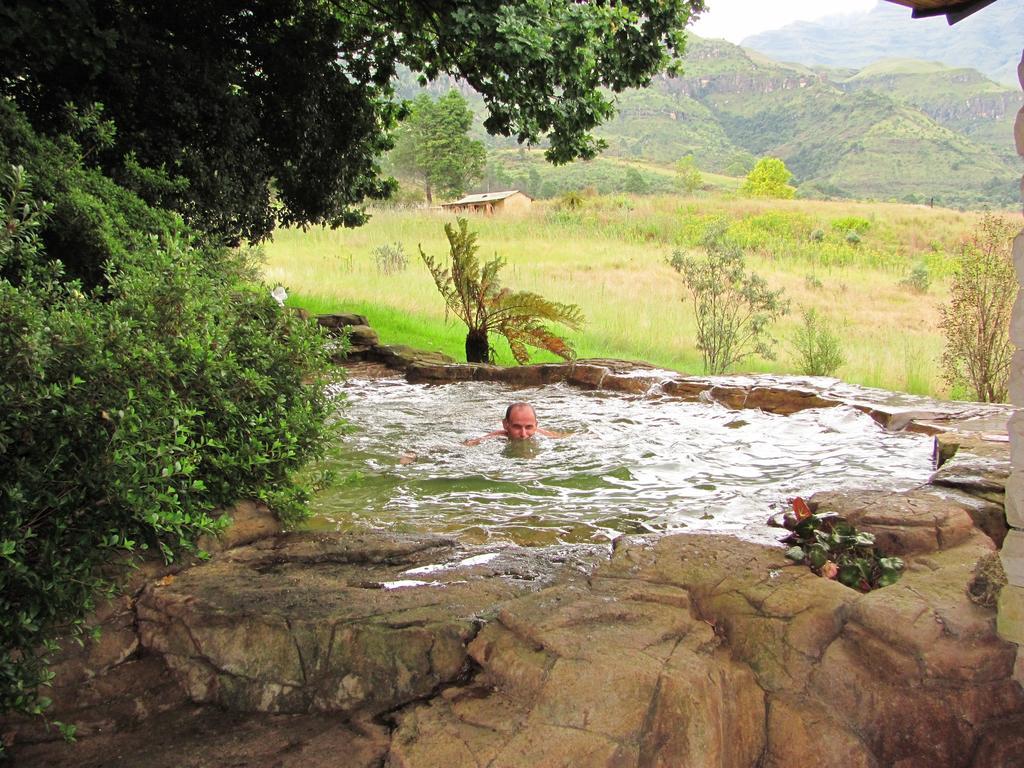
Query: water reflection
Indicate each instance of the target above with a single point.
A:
(631, 465)
(521, 449)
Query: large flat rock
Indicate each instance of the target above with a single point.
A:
(354, 624)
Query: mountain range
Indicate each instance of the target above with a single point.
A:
(895, 129)
(989, 40)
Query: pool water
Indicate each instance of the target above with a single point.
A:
(631, 464)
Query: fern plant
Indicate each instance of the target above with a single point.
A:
(473, 293)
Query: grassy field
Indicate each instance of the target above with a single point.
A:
(609, 257)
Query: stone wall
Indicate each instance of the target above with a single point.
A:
(1011, 602)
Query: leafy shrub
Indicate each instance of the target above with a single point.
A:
(689, 175)
(818, 348)
(817, 235)
(473, 293)
(919, 280)
(852, 238)
(848, 224)
(976, 320)
(813, 283)
(834, 549)
(135, 405)
(733, 308)
(390, 258)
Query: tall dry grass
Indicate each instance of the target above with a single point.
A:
(609, 257)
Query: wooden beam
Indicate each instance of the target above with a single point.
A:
(953, 12)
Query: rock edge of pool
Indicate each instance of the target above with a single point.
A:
(691, 649)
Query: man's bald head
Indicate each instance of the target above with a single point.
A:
(520, 421)
(517, 406)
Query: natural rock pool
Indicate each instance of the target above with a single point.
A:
(632, 464)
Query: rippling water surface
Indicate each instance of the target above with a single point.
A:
(630, 465)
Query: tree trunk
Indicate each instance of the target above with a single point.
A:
(477, 348)
(426, 189)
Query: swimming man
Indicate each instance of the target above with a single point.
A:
(520, 423)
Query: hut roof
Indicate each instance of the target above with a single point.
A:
(487, 197)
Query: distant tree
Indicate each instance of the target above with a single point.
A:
(688, 174)
(533, 183)
(733, 308)
(976, 320)
(769, 178)
(431, 144)
(634, 182)
(740, 164)
(474, 294)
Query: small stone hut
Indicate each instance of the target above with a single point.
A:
(512, 201)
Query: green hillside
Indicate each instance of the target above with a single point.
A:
(895, 130)
(963, 100)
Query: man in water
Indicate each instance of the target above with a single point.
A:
(520, 423)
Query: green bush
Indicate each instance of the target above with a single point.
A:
(733, 308)
(919, 280)
(132, 408)
(816, 346)
(848, 224)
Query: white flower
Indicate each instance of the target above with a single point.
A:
(279, 294)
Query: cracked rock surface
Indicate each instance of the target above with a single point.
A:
(395, 651)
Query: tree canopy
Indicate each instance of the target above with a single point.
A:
(275, 112)
(769, 178)
(431, 144)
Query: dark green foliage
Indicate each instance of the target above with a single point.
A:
(833, 548)
(93, 220)
(275, 111)
(431, 144)
(733, 308)
(473, 293)
(635, 182)
(133, 408)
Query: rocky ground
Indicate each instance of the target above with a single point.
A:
(687, 650)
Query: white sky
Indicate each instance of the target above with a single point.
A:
(735, 19)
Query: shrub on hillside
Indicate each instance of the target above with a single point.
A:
(733, 308)
(919, 280)
(817, 348)
(848, 224)
(139, 395)
(976, 320)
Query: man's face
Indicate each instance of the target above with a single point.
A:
(521, 423)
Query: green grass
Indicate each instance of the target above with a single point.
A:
(610, 258)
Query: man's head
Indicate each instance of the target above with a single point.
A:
(520, 421)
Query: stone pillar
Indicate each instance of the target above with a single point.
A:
(1011, 600)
